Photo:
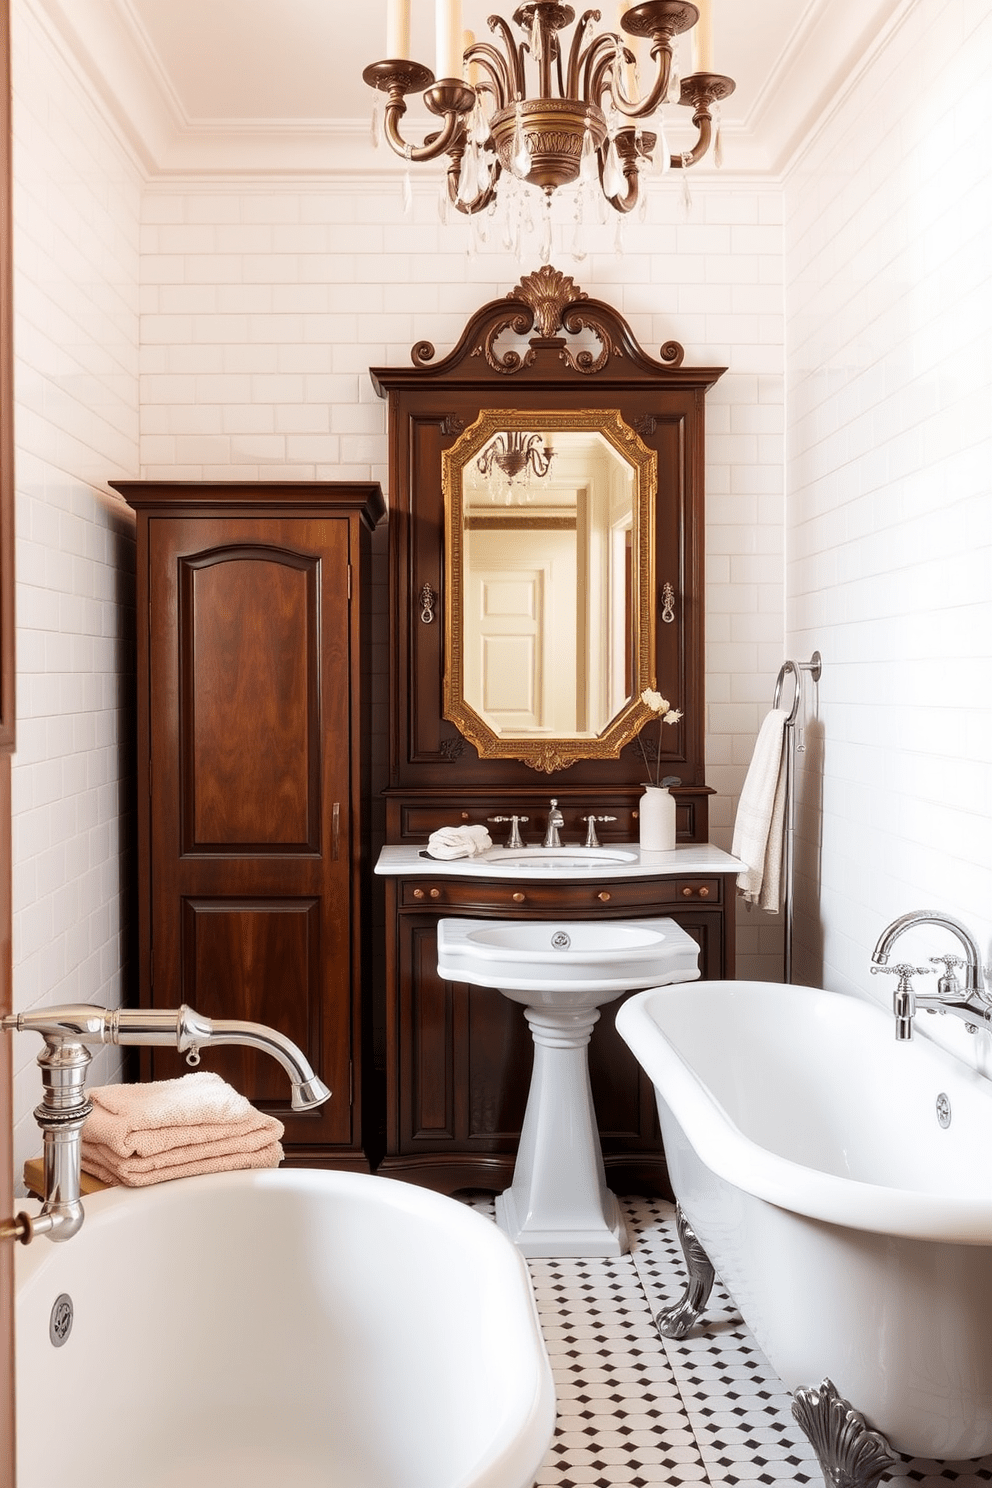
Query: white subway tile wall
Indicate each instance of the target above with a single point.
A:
(889, 500)
(76, 225)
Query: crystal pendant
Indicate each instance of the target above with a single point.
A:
(520, 157)
(614, 183)
(376, 125)
(546, 235)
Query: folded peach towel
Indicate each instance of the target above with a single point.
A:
(140, 1134)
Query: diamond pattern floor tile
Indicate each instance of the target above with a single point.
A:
(636, 1410)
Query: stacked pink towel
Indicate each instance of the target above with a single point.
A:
(140, 1134)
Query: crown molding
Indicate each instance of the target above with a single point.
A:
(830, 45)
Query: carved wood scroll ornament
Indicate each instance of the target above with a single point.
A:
(553, 303)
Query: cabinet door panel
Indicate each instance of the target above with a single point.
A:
(249, 663)
(248, 632)
(500, 1057)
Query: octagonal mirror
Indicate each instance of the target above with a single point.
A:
(549, 518)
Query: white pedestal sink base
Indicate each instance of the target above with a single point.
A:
(558, 1203)
(563, 971)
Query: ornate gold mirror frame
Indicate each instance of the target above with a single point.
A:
(538, 751)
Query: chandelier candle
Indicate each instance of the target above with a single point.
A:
(398, 29)
(448, 39)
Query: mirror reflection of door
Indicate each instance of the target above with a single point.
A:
(520, 597)
(546, 592)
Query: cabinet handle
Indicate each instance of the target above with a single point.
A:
(605, 895)
(335, 830)
(687, 892)
(427, 602)
(668, 604)
(704, 893)
(418, 893)
(519, 898)
(435, 893)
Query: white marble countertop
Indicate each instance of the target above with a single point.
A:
(692, 857)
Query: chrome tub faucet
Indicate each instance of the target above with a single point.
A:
(970, 1002)
(70, 1032)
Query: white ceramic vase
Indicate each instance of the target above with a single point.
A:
(657, 819)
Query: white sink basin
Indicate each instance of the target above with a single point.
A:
(560, 859)
(551, 962)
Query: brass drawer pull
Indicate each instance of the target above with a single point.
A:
(519, 898)
(418, 893)
(704, 892)
(605, 895)
(435, 893)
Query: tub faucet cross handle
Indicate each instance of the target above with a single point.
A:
(904, 998)
(948, 984)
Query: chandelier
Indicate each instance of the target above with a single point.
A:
(518, 455)
(584, 120)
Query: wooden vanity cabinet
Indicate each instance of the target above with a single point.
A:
(253, 733)
(460, 1057)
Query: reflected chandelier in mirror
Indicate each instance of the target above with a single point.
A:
(549, 584)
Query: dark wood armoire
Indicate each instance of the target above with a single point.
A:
(253, 758)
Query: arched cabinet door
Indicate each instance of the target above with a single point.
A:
(251, 696)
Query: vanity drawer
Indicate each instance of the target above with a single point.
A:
(644, 896)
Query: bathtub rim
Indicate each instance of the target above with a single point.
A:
(532, 1405)
(735, 1158)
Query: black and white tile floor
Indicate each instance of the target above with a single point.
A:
(635, 1410)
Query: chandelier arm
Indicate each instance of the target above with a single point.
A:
(651, 104)
(487, 56)
(601, 81)
(704, 125)
(478, 203)
(514, 56)
(437, 146)
(597, 54)
(575, 55)
(627, 151)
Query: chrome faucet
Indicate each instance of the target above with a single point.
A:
(69, 1032)
(555, 820)
(970, 1002)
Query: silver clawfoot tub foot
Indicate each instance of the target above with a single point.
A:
(850, 1455)
(675, 1322)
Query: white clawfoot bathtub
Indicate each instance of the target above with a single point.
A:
(295, 1325)
(852, 1229)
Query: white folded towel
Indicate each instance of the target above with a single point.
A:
(760, 825)
(458, 842)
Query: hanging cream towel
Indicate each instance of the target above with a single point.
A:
(140, 1134)
(458, 842)
(760, 825)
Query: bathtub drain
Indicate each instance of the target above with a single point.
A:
(60, 1322)
(943, 1110)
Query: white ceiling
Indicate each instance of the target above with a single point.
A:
(270, 85)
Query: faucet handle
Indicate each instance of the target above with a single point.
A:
(948, 985)
(514, 839)
(903, 999)
(591, 839)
